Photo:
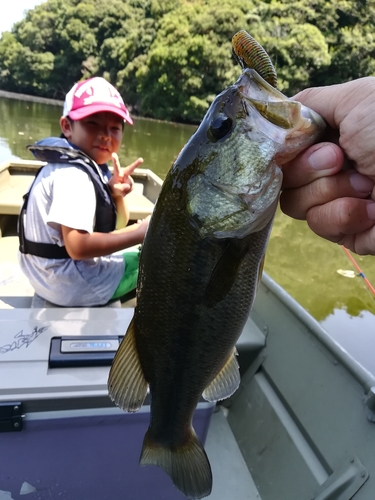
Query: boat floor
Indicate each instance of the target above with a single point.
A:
(231, 476)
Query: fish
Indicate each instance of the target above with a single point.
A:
(200, 266)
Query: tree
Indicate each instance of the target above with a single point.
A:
(170, 58)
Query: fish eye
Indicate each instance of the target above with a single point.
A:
(220, 126)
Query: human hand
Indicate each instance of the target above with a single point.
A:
(331, 184)
(142, 227)
(121, 182)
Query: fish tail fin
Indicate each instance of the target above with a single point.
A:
(187, 465)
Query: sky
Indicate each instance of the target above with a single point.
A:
(15, 12)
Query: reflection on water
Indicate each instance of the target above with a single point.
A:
(306, 266)
(355, 333)
(23, 123)
(301, 262)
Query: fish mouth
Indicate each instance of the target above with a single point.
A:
(281, 119)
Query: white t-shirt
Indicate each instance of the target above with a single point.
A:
(65, 195)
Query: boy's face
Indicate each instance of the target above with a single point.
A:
(98, 135)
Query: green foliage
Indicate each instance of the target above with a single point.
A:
(169, 58)
(189, 60)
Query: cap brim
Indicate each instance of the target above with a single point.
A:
(78, 114)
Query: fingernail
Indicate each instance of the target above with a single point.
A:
(370, 207)
(361, 183)
(323, 158)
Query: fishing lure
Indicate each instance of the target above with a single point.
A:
(250, 54)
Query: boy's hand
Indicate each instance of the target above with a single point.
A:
(142, 227)
(121, 182)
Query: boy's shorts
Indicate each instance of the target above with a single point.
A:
(129, 278)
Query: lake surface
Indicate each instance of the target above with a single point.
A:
(301, 262)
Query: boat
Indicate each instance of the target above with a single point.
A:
(15, 179)
(301, 426)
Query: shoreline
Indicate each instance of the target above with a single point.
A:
(30, 98)
(55, 102)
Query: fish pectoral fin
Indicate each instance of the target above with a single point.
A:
(224, 274)
(186, 464)
(127, 386)
(226, 381)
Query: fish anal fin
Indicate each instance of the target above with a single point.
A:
(186, 464)
(226, 381)
(127, 386)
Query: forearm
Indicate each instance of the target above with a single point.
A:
(122, 211)
(81, 245)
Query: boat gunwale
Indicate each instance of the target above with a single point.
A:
(363, 376)
(31, 166)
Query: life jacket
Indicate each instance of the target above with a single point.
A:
(57, 150)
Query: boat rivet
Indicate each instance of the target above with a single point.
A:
(16, 408)
(16, 424)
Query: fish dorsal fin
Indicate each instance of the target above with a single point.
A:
(226, 381)
(127, 386)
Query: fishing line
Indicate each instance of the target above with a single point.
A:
(361, 274)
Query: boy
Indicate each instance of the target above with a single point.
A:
(75, 213)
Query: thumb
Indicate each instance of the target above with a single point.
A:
(335, 102)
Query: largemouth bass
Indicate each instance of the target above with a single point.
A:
(200, 266)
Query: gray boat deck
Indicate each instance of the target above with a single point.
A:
(232, 479)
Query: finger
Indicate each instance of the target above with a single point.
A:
(120, 189)
(335, 102)
(349, 183)
(317, 161)
(127, 187)
(116, 164)
(130, 168)
(347, 221)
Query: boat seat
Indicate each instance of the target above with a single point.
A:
(139, 206)
(39, 303)
(15, 288)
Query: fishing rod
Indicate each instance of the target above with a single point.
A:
(361, 274)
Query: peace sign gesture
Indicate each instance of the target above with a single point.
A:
(121, 182)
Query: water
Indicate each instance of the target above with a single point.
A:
(301, 262)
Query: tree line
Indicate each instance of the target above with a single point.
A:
(170, 58)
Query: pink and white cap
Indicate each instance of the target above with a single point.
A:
(93, 96)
